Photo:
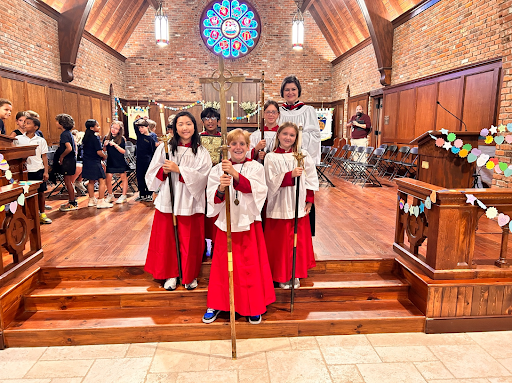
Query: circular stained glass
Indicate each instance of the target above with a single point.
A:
(230, 28)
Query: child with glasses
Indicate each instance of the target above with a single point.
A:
(210, 118)
(261, 147)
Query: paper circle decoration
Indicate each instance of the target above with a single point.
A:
(230, 28)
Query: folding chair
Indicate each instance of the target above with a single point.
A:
(131, 174)
(348, 166)
(387, 160)
(355, 167)
(407, 164)
(370, 169)
(340, 155)
(325, 164)
(402, 155)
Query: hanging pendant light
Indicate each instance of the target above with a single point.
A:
(161, 27)
(298, 30)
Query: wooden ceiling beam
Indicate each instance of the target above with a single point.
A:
(396, 6)
(330, 24)
(354, 13)
(71, 27)
(107, 19)
(153, 3)
(324, 30)
(123, 27)
(344, 25)
(135, 21)
(95, 14)
(381, 32)
(305, 5)
(124, 6)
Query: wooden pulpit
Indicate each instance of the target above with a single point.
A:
(441, 167)
(20, 235)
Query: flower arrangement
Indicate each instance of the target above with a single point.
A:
(248, 107)
(212, 104)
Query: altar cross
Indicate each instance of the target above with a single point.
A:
(232, 102)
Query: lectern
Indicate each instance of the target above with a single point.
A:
(441, 167)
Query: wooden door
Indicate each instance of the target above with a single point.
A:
(377, 120)
(353, 102)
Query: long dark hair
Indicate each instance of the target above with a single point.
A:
(89, 133)
(119, 138)
(195, 141)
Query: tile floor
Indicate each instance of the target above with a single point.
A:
(377, 358)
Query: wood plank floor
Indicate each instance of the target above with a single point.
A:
(352, 223)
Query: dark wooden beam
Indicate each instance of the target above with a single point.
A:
(121, 11)
(354, 12)
(71, 27)
(106, 20)
(350, 52)
(325, 32)
(95, 13)
(343, 23)
(45, 8)
(305, 5)
(93, 39)
(135, 21)
(414, 11)
(125, 23)
(332, 26)
(381, 32)
(154, 3)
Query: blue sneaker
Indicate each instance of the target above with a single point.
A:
(256, 319)
(210, 315)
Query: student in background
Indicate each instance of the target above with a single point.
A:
(20, 125)
(145, 147)
(5, 113)
(37, 166)
(114, 145)
(92, 167)
(31, 113)
(65, 158)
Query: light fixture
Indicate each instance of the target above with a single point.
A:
(298, 30)
(161, 27)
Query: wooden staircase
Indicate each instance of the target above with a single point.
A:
(98, 305)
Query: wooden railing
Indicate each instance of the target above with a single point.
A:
(449, 229)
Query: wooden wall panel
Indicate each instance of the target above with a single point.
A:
(478, 113)
(71, 106)
(84, 111)
(450, 96)
(55, 107)
(14, 91)
(106, 114)
(36, 101)
(390, 107)
(426, 97)
(407, 116)
(96, 114)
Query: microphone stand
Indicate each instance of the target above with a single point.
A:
(463, 123)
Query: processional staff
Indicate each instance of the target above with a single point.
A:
(261, 119)
(299, 157)
(222, 80)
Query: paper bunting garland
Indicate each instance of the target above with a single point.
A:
(415, 210)
(490, 212)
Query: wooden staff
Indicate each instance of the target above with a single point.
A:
(261, 120)
(221, 81)
(165, 140)
(300, 159)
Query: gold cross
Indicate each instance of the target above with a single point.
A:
(232, 102)
(165, 139)
(221, 82)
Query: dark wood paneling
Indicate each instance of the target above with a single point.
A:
(84, 111)
(450, 96)
(407, 116)
(36, 101)
(478, 111)
(14, 91)
(71, 107)
(390, 109)
(55, 107)
(97, 115)
(106, 114)
(426, 97)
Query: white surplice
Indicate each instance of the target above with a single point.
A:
(281, 200)
(189, 196)
(270, 138)
(250, 204)
(308, 119)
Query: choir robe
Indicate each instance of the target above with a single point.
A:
(279, 224)
(253, 287)
(307, 118)
(189, 207)
(270, 138)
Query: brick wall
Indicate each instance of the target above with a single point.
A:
(172, 73)
(96, 69)
(28, 40)
(448, 35)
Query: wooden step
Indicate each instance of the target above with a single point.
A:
(128, 325)
(125, 293)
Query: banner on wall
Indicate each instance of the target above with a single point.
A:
(325, 121)
(134, 113)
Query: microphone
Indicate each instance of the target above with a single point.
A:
(465, 127)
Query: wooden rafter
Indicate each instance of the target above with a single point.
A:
(107, 20)
(153, 3)
(120, 12)
(354, 12)
(74, 15)
(125, 24)
(131, 27)
(344, 25)
(95, 14)
(331, 25)
(381, 32)
(305, 5)
(323, 29)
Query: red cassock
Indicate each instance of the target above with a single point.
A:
(210, 230)
(161, 260)
(279, 237)
(254, 289)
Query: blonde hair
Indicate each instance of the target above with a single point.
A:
(31, 113)
(235, 133)
(151, 124)
(287, 124)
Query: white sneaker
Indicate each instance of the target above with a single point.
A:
(109, 198)
(103, 204)
(170, 284)
(92, 202)
(122, 199)
(296, 284)
(285, 286)
(80, 186)
(192, 285)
